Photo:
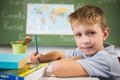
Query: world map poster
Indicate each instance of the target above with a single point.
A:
(49, 19)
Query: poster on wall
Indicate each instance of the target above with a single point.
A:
(49, 19)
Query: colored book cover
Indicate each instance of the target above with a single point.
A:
(19, 74)
(12, 61)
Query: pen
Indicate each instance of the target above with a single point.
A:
(36, 44)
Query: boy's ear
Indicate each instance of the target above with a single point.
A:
(106, 33)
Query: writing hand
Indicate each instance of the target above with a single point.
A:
(34, 58)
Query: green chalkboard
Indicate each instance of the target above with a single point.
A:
(13, 21)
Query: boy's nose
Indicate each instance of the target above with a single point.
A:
(85, 40)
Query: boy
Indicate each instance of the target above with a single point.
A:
(92, 57)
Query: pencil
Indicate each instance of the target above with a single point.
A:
(28, 41)
(36, 44)
(25, 42)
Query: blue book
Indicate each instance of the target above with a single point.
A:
(12, 61)
(10, 77)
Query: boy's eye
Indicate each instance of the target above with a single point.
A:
(78, 35)
(91, 33)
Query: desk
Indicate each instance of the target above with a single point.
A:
(75, 78)
(43, 73)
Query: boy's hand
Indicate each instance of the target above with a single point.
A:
(34, 57)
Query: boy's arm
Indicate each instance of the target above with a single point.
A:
(50, 56)
(68, 68)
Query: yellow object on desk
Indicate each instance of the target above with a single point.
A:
(27, 69)
(19, 48)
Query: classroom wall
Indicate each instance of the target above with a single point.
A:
(13, 21)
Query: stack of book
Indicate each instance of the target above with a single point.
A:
(16, 67)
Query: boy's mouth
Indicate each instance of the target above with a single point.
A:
(87, 48)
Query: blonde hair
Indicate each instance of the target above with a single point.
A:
(89, 14)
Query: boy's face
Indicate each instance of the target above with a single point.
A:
(89, 38)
